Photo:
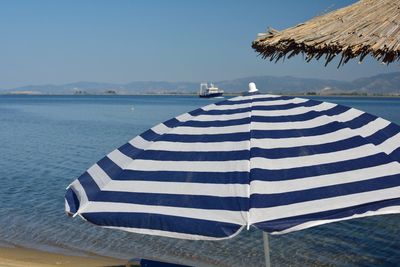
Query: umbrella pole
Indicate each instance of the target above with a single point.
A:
(266, 250)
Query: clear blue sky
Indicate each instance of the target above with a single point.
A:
(172, 40)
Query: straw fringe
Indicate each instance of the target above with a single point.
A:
(366, 27)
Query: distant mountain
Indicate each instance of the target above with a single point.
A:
(387, 84)
(69, 88)
(380, 84)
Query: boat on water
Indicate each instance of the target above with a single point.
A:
(209, 91)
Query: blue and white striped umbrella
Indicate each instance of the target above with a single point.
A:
(277, 163)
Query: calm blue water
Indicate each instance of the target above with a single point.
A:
(48, 141)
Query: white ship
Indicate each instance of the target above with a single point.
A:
(211, 91)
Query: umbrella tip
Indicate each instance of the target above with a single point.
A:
(252, 88)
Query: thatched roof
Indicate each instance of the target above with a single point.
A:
(366, 27)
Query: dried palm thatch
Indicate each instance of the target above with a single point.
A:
(366, 27)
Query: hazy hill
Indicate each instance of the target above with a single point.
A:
(381, 84)
(388, 84)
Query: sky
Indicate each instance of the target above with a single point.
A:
(57, 42)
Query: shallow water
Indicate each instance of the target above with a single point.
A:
(48, 141)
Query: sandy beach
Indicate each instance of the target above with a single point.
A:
(23, 257)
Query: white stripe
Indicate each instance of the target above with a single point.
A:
(372, 127)
(210, 130)
(270, 143)
(255, 103)
(184, 117)
(161, 129)
(318, 121)
(189, 166)
(391, 144)
(382, 211)
(225, 107)
(80, 194)
(195, 189)
(314, 159)
(341, 134)
(275, 187)
(257, 162)
(240, 98)
(172, 234)
(141, 143)
(293, 111)
(119, 158)
(295, 100)
(320, 205)
(221, 190)
(347, 115)
(221, 117)
(99, 176)
(236, 217)
(267, 126)
(274, 113)
(265, 143)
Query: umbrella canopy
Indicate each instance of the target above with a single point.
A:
(366, 27)
(278, 163)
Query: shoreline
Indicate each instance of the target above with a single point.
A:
(15, 256)
(196, 95)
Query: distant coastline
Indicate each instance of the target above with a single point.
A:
(379, 85)
(195, 94)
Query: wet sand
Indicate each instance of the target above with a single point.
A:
(23, 257)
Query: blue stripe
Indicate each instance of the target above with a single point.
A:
(116, 173)
(205, 138)
(216, 112)
(382, 135)
(286, 223)
(189, 177)
(274, 200)
(136, 153)
(301, 117)
(89, 185)
(319, 130)
(72, 200)
(360, 121)
(275, 153)
(338, 109)
(217, 123)
(150, 135)
(395, 154)
(243, 136)
(278, 153)
(130, 150)
(174, 200)
(321, 169)
(172, 123)
(289, 118)
(163, 222)
(109, 167)
(196, 112)
(244, 101)
(309, 103)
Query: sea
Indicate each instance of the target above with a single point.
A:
(48, 141)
